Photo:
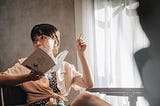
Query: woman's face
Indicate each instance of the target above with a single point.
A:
(46, 42)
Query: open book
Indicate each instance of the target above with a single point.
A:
(39, 60)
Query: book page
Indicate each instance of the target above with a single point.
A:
(59, 61)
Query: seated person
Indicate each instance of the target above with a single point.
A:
(48, 89)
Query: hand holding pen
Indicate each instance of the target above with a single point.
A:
(81, 45)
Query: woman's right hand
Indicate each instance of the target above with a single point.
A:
(6, 79)
(33, 76)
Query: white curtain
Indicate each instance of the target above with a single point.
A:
(113, 34)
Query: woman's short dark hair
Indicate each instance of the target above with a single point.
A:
(45, 29)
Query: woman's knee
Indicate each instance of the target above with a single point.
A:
(80, 99)
(87, 99)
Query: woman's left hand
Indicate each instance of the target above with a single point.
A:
(81, 46)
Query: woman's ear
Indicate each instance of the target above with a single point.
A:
(56, 44)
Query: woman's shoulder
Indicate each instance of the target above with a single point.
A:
(68, 66)
(66, 63)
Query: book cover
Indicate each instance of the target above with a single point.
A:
(39, 60)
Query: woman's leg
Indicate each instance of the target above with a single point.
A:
(87, 99)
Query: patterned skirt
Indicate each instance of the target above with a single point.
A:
(44, 101)
(40, 103)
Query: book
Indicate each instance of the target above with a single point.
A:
(41, 61)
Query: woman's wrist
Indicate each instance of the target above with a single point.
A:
(81, 54)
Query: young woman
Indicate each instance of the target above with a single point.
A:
(51, 89)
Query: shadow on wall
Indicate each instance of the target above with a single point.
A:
(148, 59)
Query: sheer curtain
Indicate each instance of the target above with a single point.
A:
(113, 34)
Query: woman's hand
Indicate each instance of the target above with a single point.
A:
(33, 76)
(52, 100)
(81, 46)
(62, 98)
(59, 97)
